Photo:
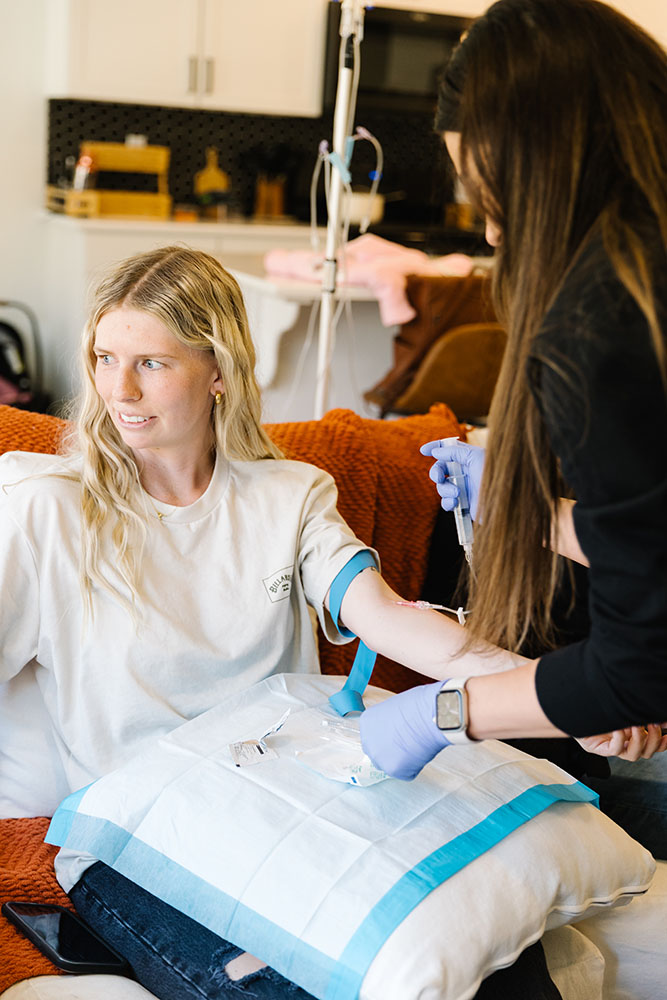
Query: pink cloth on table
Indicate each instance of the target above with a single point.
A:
(375, 263)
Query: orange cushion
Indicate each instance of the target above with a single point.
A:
(21, 430)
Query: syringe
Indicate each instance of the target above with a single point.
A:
(462, 510)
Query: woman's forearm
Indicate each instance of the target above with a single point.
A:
(502, 699)
(505, 706)
(427, 641)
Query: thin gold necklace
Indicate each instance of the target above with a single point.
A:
(158, 513)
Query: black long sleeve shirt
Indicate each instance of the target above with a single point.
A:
(597, 382)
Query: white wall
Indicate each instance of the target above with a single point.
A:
(650, 14)
(23, 160)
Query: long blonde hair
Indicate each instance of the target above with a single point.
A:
(201, 304)
(562, 110)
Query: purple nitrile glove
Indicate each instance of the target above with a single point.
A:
(400, 735)
(471, 459)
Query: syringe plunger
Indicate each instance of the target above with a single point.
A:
(462, 515)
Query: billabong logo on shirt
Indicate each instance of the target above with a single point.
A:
(279, 585)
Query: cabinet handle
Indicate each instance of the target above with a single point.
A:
(192, 75)
(209, 75)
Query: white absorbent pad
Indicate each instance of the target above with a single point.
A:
(394, 890)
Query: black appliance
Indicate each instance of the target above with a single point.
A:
(403, 53)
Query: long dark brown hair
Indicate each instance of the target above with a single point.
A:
(562, 110)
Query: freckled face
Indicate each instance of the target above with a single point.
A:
(493, 233)
(158, 391)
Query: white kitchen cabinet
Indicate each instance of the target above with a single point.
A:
(142, 51)
(264, 56)
(250, 56)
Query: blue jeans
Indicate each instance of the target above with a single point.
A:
(171, 955)
(178, 959)
(635, 797)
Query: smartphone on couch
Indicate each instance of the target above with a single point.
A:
(64, 938)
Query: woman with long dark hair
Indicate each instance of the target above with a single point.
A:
(555, 116)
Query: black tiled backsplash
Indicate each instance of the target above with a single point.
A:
(415, 166)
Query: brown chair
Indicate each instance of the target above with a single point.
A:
(460, 368)
(451, 351)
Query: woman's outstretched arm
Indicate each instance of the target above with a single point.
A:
(425, 640)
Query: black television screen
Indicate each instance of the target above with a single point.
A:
(403, 53)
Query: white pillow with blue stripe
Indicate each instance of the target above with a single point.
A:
(397, 890)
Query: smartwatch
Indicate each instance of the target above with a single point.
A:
(451, 711)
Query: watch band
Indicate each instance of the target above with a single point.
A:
(451, 710)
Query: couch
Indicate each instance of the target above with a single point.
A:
(389, 502)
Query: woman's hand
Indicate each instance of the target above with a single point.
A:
(634, 743)
(471, 460)
(400, 735)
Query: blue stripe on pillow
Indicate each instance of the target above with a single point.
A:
(435, 869)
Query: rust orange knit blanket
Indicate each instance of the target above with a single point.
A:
(26, 873)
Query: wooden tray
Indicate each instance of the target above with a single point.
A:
(117, 156)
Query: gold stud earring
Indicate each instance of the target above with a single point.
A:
(218, 398)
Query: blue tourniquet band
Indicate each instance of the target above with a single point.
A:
(349, 699)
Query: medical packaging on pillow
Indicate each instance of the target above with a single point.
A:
(386, 892)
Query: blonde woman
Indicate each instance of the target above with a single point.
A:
(134, 570)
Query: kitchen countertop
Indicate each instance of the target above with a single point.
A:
(251, 268)
(234, 226)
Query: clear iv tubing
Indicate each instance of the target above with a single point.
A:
(340, 730)
(462, 516)
(426, 606)
(363, 133)
(323, 160)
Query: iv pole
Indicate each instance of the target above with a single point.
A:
(351, 32)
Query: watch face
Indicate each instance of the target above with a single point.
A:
(449, 713)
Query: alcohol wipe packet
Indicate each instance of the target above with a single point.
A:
(253, 751)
